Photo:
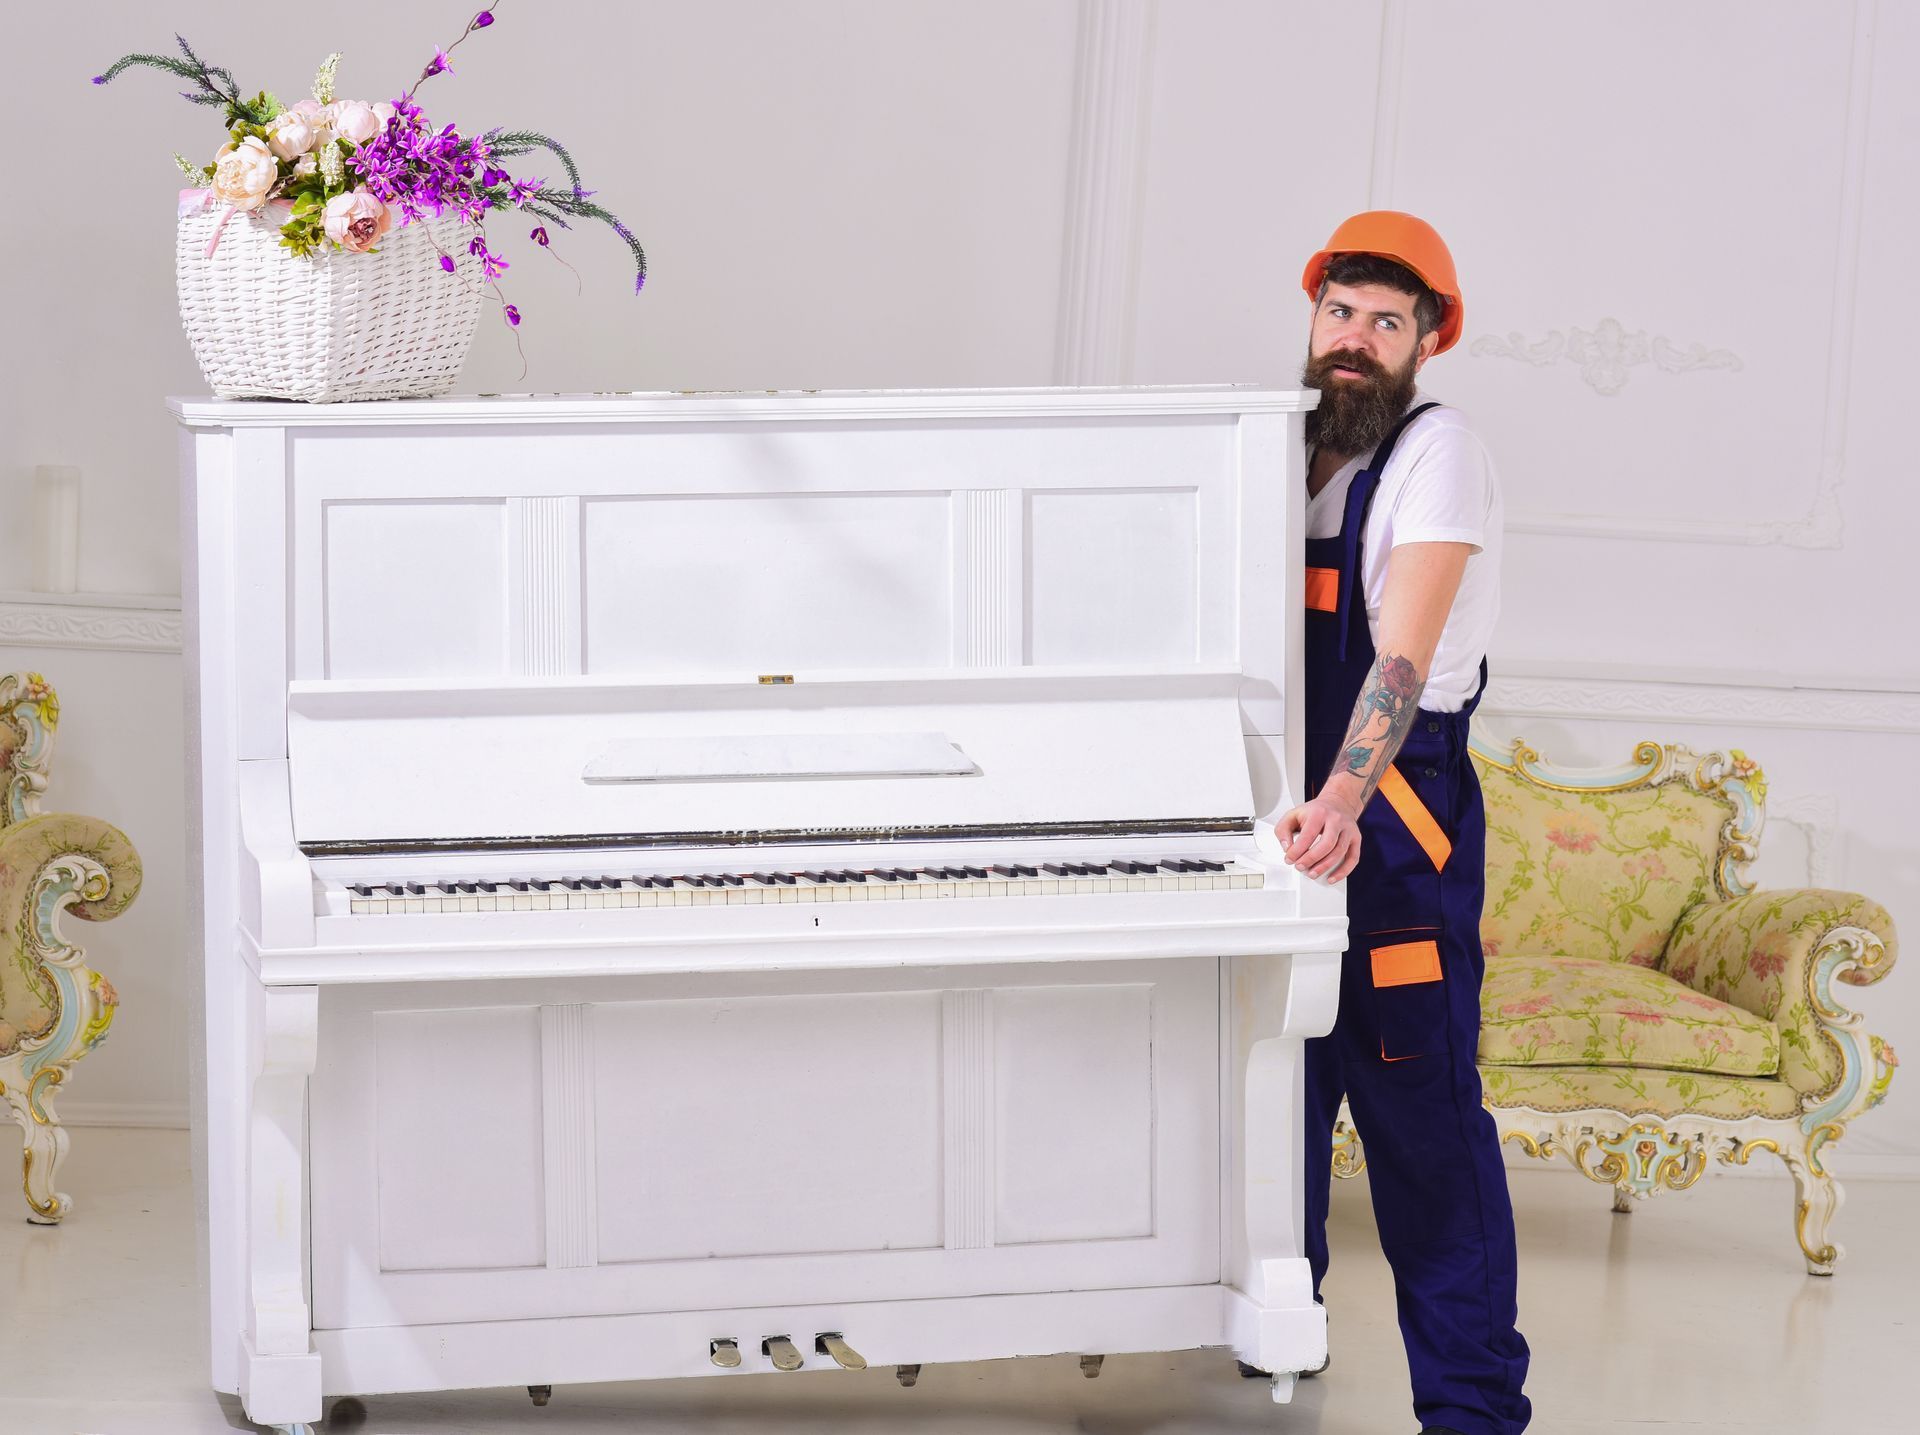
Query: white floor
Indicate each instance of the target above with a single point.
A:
(1693, 1316)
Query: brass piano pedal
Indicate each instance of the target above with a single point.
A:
(786, 1355)
(540, 1394)
(844, 1355)
(907, 1375)
(724, 1353)
(1090, 1365)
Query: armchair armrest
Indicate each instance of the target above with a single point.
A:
(53, 863)
(1778, 954)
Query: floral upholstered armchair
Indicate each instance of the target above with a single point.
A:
(53, 1007)
(1645, 1011)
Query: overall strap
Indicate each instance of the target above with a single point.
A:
(1354, 520)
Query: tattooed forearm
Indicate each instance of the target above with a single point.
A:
(1382, 717)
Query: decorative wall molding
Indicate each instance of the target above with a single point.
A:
(49, 620)
(1100, 264)
(161, 1115)
(1818, 815)
(1822, 524)
(1605, 354)
(1386, 104)
(1733, 704)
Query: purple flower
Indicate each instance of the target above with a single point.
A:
(99, 79)
(539, 235)
(483, 19)
(513, 316)
(494, 176)
(446, 262)
(477, 245)
(524, 190)
(440, 66)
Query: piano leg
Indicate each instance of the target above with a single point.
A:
(1277, 1002)
(280, 1370)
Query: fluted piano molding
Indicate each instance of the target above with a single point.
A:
(967, 1052)
(1100, 263)
(1728, 699)
(115, 622)
(546, 615)
(991, 571)
(566, 1058)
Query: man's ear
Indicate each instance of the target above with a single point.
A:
(1428, 344)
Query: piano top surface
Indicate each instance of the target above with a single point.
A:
(693, 405)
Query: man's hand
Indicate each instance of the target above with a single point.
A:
(1321, 838)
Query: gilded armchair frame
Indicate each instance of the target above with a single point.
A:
(51, 865)
(1637, 1152)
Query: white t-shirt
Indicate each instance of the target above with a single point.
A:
(1439, 487)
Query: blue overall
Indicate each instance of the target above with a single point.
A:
(1402, 1048)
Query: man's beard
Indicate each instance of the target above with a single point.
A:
(1355, 414)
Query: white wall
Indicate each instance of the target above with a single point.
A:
(1708, 544)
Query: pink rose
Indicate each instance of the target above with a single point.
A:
(244, 173)
(356, 220)
(292, 135)
(355, 120)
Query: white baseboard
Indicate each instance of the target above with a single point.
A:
(164, 1115)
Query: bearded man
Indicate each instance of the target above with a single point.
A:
(1403, 526)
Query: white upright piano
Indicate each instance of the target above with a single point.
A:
(726, 884)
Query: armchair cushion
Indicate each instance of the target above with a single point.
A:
(1590, 1011)
(1776, 954)
(1602, 873)
(1662, 1094)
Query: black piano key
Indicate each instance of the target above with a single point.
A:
(815, 876)
(786, 877)
(541, 884)
(838, 876)
(1213, 866)
(732, 879)
(572, 884)
(359, 890)
(1002, 872)
(765, 879)
(884, 874)
(975, 872)
(414, 889)
(468, 886)
(519, 884)
(488, 886)
(592, 883)
(394, 889)
(1024, 871)
(1129, 869)
(907, 874)
(1054, 869)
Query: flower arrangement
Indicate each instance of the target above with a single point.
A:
(346, 171)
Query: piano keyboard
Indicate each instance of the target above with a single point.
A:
(872, 884)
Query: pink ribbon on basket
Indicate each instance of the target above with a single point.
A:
(194, 201)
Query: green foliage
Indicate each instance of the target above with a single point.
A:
(215, 85)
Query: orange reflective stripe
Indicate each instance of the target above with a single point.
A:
(1323, 589)
(1413, 812)
(1406, 963)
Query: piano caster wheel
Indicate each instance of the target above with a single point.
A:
(1252, 1372)
(1090, 1365)
(294, 1429)
(907, 1375)
(346, 1413)
(844, 1355)
(1283, 1387)
(540, 1394)
(724, 1353)
(785, 1354)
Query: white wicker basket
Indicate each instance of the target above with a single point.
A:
(265, 323)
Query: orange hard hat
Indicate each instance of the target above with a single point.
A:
(1405, 240)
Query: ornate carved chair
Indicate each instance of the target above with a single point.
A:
(1645, 1010)
(54, 1008)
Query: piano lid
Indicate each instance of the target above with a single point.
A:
(578, 762)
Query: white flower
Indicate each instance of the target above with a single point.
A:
(243, 173)
(383, 112)
(356, 220)
(305, 165)
(355, 120)
(292, 134)
(309, 108)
